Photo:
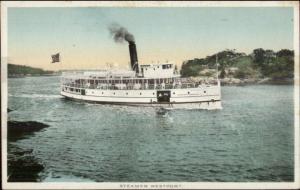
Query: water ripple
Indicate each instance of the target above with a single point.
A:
(251, 139)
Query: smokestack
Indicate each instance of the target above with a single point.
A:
(120, 34)
(133, 57)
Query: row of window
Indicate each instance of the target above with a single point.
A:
(140, 93)
(78, 90)
(126, 93)
(163, 67)
(71, 89)
(189, 92)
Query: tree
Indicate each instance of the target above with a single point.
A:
(285, 52)
(259, 55)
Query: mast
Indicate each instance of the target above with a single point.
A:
(217, 66)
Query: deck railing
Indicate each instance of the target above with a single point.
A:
(105, 86)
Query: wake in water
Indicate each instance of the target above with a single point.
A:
(45, 96)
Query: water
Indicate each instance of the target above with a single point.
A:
(251, 139)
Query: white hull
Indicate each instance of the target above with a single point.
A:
(206, 97)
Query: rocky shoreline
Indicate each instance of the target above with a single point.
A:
(22, 166)
(21, 129)
(242, 82)
(32, 75)
(251, 81)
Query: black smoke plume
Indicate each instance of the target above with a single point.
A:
(120, 33)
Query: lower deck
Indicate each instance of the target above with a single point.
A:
(200, 95)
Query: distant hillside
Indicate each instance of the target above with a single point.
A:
(259, 64)
(21, 70)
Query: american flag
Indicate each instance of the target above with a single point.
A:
(55, 58)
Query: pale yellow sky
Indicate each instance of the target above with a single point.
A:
(98, 59)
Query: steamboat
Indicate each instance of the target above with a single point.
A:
(158, 85)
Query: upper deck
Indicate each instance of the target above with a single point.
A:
(150, 71)
(153, 76)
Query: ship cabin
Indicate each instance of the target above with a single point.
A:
(150, 77)
(166, 70)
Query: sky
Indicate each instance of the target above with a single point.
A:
(82, 38)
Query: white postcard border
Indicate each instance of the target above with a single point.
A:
(152, 185)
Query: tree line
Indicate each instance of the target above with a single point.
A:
(19, 70)
(259, 64)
